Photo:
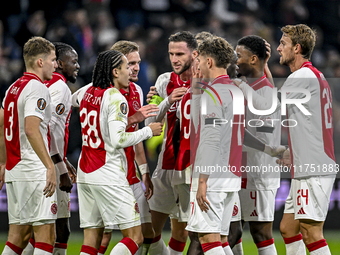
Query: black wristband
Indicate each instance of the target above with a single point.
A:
(56, 158)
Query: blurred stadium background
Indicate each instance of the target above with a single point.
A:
(91, 26)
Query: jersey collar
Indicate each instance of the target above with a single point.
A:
(32, 76)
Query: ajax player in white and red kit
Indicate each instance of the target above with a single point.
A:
(30, 175)
(102, 168)
(310, 142)
(259, 180)
(216, 173)
(171, 198)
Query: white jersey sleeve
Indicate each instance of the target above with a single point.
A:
(79, 94)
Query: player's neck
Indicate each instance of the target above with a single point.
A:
(257, 73)
(297, 63)
(216, 72)
(36, 72)
(187, 75)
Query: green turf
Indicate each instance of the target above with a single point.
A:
(249, 248)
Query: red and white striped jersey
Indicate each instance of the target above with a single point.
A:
(61, 112)
(165, 84)
(260, 174)
(135, 101)
(103, 117)
(311, 140)
(28, 96)
(219, 151)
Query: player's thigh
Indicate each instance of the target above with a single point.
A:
(182, 192)
(44, 233)
(19, 234)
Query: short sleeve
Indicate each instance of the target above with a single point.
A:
(36, 100)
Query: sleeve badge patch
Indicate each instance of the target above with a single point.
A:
(123, 108)
(41, 103)
(60, 109)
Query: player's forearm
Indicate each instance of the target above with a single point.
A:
(140, 154)
(268, 74)
(121, 139)
(164, 106)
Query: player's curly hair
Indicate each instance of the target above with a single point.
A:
(102, 73)
(184, 36)
(219, 49)
(61, 49)
(125, 47)
(204, 35)
(36, 47)
(255, 44)
(303, 35)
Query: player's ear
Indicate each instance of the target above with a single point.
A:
(115, 72)
(297, 48)
(253, 59)
(40, 62)
(209, 62)
(194, 54)
(60, 63)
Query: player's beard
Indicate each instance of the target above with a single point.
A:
(287, 60)
(186, 66)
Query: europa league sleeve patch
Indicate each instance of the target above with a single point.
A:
(60, 109)
(41, 103)
(123, 108)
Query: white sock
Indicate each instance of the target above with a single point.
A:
(321, 251)
(120, 248)
(238, 249)
(8, 251)
(215, 251)
(173, 252)
(268, 250)
(38, 251)
(145, 248)
(59, 251)
(139, 251)
(297, 247)
(158, 248)
(227, 250)
(29, 249)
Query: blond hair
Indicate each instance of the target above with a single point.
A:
(125, 47)
(35, 48)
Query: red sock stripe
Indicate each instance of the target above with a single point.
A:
(15, 248)
(316, 245)
(293, 239)
(208, 246)
(176, 245)
(89, 250)
(239, 241)
(32, 242)
(60, 245)
(102, 249)
(265, 243)
(44, 246)
(130, 244)
(225, 244)
(156, 239)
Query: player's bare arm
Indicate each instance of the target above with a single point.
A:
(266, 67)
(156, 128)
(35, 138)
(71, 170)
(144, 112)
(201, 198)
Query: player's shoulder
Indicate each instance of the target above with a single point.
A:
(163, 80)
(303, 72)
(114, 95)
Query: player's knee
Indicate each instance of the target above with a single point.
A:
(62, 230)
(284, 229)
(261, 232)
(148, 231)
(138, 238)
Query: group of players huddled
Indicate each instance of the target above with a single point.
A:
(216, 110)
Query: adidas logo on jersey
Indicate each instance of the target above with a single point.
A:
(301, 211)
(254, 213)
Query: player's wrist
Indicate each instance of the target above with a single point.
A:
(144, 169)
(61, 167)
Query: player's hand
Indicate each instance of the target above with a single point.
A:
(201, 198)
(151, 93)
(156, 128)
(148, 185)
(51, 182)
(196, 72)
(177, 95)
(145, 112)
(2, 175)
(239, 80)
(274, 151)
(268, 51)
(285, 161)
(71, 171)
(65, 183)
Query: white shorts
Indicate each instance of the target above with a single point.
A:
(257, 205)
(236, 216)
(142, 204)
(172, 200)
(28, 206)
(309, 197)
(105, 206)
(217, 218)
(64, 202)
